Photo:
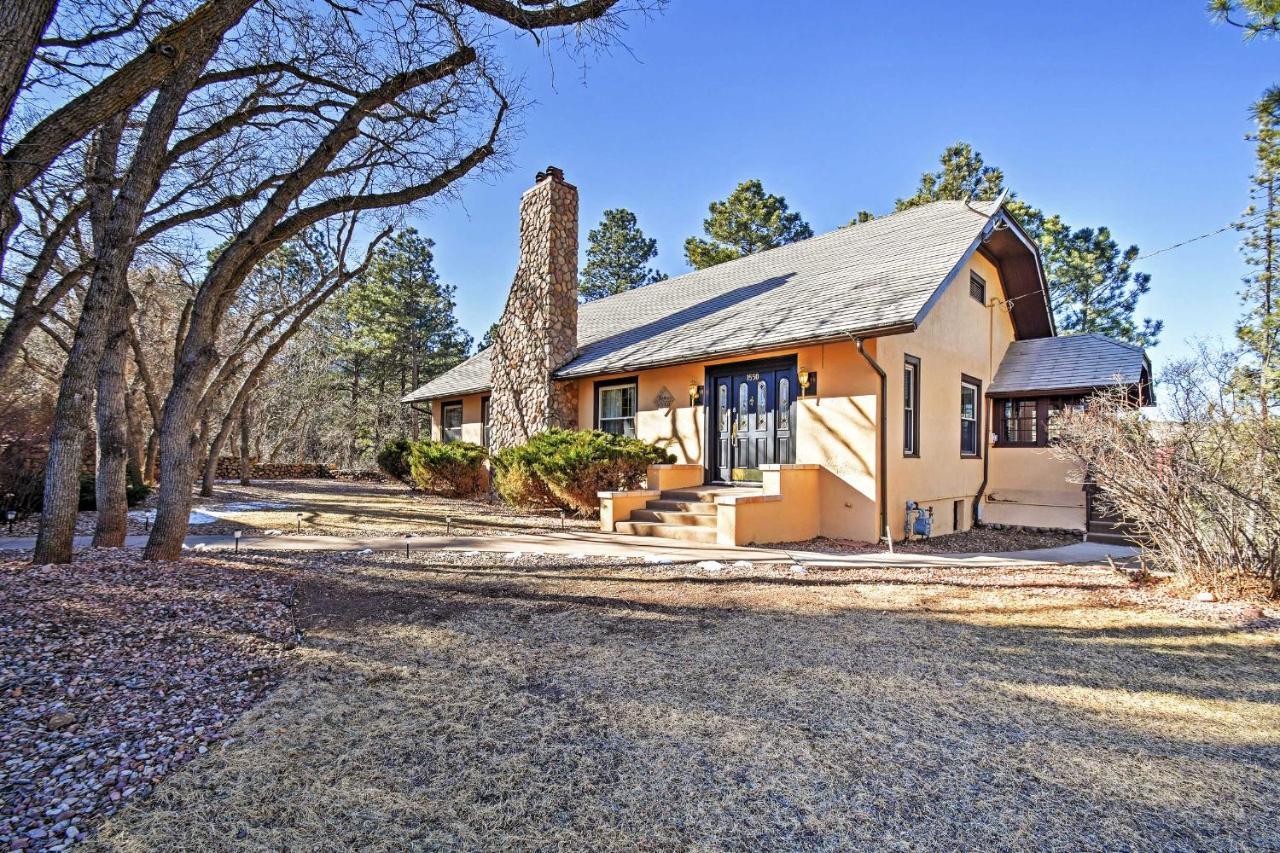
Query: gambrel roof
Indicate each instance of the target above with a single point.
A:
(877, 277)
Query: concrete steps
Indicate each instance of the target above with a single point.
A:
(688, 515)
(668, 531)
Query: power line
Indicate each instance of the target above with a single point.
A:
(1228, 227)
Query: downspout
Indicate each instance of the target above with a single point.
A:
(882, 420)
(989, 422)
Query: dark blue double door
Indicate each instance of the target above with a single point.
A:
(753, 419)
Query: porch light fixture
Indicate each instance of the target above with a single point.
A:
(806, 379)
(695, 393)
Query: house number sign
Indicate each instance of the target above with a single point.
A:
(664, 399)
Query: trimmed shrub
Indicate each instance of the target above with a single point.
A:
(566, 469)
(393, 457)
(453, 469)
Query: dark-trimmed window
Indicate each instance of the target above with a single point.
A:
(978, 287)
(910, 406)
(1030, 421)
(970, 417)
(616, 402)
(451, 421)
(484, 420)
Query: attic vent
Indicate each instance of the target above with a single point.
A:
(978, 287)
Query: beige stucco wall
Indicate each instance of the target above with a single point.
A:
(835, 428)
(959, 336)
(1031, 487)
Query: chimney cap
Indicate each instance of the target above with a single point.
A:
(554, 172)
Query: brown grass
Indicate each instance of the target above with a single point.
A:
(442, 705)
(357, 509)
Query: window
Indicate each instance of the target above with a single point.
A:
(451, 421)
(726, 413)
(784, 404)
(744, 408)
(616, 407)
(762, 405)
(910, 406)
(1031, 422)
(484, 420)
(978, 287)
(970, 417)
(1021, 422)
(1055, 407)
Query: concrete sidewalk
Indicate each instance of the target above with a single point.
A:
(589, 544)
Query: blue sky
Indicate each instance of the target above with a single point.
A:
(1127, 114)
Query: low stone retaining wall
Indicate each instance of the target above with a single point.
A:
(229, 469)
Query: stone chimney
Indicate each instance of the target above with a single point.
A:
(538, 332)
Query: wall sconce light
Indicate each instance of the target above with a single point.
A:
(695, 393)
(808, 381)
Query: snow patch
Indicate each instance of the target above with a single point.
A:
(711, 566)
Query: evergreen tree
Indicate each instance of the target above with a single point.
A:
(489, 335)
(402, 331)
(1093, 286)
(748, 221)
(617, 252)
(963, 177)
(1259, 328)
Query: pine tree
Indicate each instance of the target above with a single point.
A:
(1259, 329)
(748, 221)
(1093, 286)
(963, 177)
(402, 329)
(617, 254)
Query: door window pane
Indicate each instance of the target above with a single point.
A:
(617, 407)
(784, 403)
(744, 407)
(762, 405)
(722, 391)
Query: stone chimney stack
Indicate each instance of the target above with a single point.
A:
(538, 332)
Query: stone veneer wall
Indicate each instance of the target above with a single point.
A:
(538, 332)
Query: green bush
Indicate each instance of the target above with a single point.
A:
(454, 469)
(566, 469)
(393, 457)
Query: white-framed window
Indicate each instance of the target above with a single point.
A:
(451, 421)
(616, 407)
(911, 406)
(970, 417)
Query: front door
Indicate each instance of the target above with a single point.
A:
(753, 419)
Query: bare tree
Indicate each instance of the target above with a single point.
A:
(1202, 488)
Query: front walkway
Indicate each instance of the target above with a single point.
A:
(583, 544)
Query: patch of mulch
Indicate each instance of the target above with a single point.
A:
(115, 672)
(85, 522)
(977, 540)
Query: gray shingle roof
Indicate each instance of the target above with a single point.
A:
(866, 277)
(1070, 363)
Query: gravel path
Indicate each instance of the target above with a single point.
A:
(115, 673)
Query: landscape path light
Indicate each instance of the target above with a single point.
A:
(237, 535)
(10, 515)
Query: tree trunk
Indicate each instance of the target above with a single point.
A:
(112, 255)
(246, 425)
(149, 467)
(113, 435)
(215, 450)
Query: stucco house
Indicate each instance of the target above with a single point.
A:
(809, 390)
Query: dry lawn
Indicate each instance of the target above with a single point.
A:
(436, 704)
(358, 509)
